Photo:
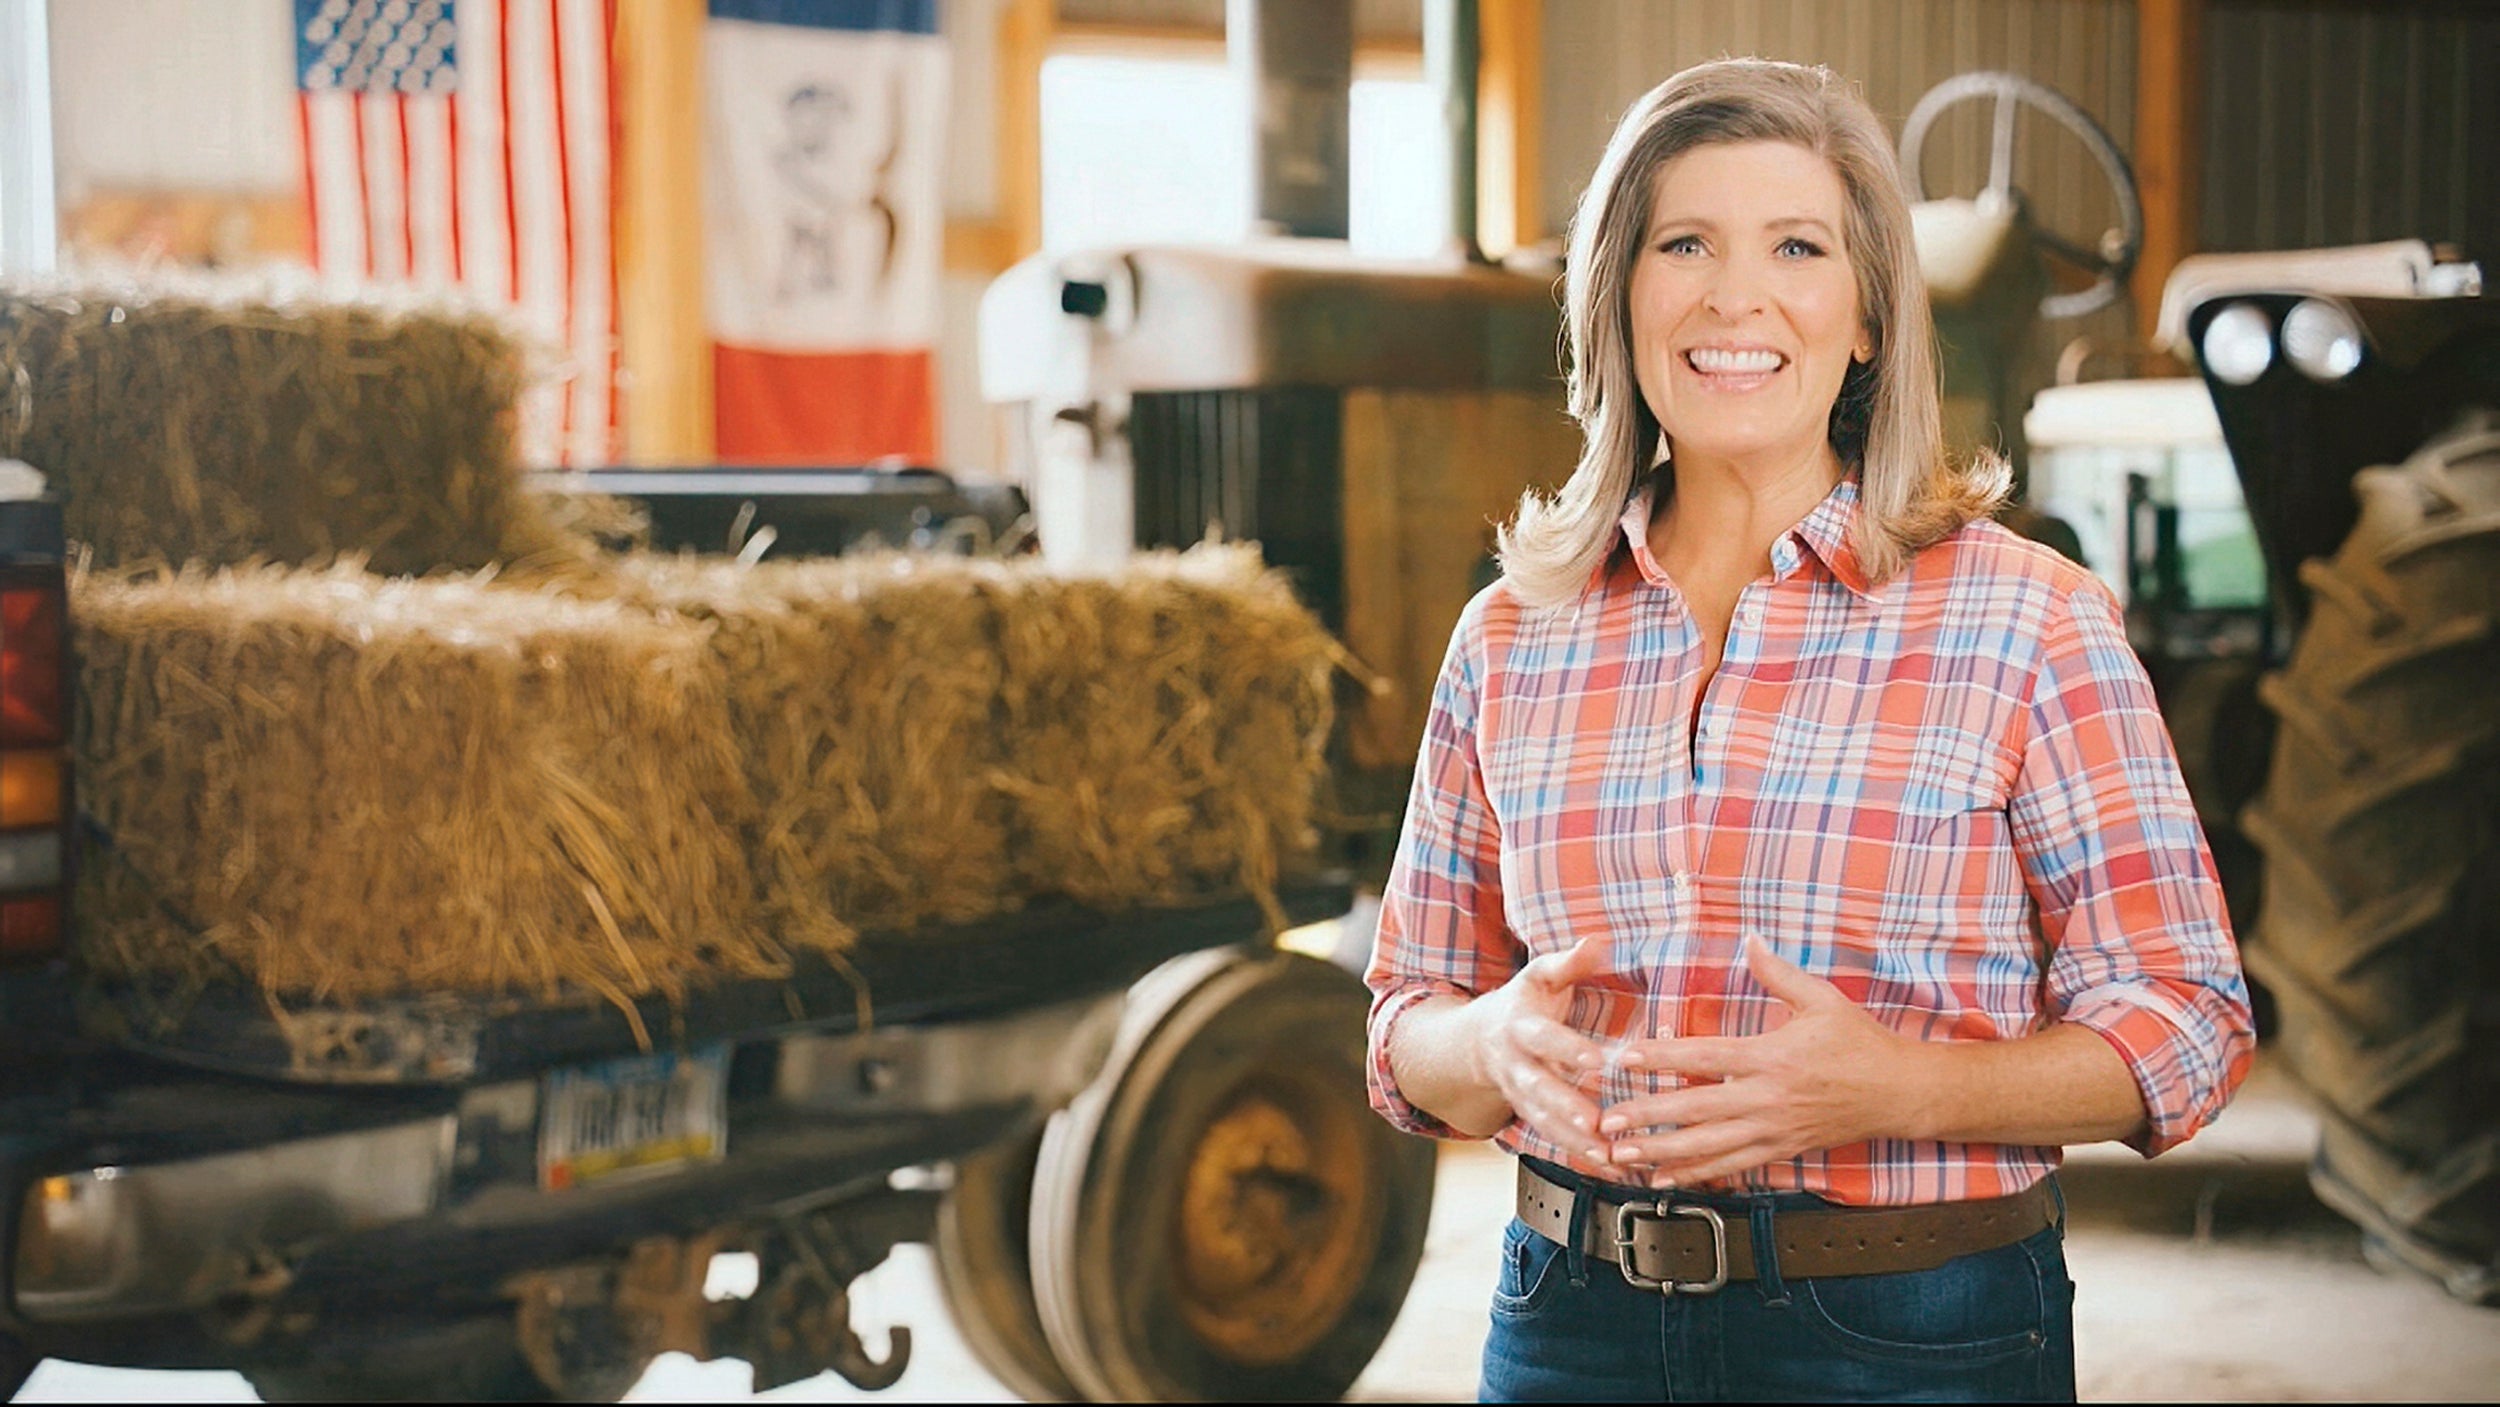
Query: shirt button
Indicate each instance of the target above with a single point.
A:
(1749, 616)
(1683, 881)
(1710, 728)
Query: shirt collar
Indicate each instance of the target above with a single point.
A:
(1825, 534)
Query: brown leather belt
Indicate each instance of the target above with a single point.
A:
(1677, 1246)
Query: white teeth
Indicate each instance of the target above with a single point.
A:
(1715, 359)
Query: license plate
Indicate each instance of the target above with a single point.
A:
(639, 1114)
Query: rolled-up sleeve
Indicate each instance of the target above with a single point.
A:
(1442, 929)
(2141, 949)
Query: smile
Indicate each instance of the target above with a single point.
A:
(1727, 361)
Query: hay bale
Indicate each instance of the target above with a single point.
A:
(1167, 726)
(862, 695)
(939, 738)
(340, 787)
(206, 425)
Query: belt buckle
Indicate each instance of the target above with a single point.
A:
(1628, 1214)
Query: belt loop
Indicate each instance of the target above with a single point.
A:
(1575, 1250)
(1766, 1255)
(2058, 1190)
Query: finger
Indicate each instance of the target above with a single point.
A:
(1693, 1104)
(1783, 979)
(1760, 1153)
(1556, 1044)
(1710, 1057)
(1581, 962)
(1561, 1116)
(1678, 1153)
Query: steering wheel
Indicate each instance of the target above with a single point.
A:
(2113, 257)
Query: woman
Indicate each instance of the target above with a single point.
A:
(1796, 859)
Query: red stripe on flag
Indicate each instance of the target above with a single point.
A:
(564, 189)
(616, 221)
(408, 193)
(364, 179)
(511, 208)
(451, 108)
(312, 176)
(823, 407)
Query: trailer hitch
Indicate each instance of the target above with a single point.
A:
(798, 1323)
(577, 1324)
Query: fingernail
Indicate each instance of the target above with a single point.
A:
(1614, 1124)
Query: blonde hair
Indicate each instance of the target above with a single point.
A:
(1886, 422)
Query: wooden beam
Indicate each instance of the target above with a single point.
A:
(2169, 134)
(1509, 87)
(984, 248)
(1024, 36)
(664, 341)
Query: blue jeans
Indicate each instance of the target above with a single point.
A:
(1992, 1326)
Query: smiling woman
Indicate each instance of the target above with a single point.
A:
(1795, 860)
(1744, 312)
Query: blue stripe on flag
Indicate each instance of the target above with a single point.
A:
(908, 16)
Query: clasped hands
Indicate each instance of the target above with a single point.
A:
(1829, 1075)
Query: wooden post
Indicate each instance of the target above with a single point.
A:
(2169, 134)
(1509, 83)
(1023, 42)
(664, 342)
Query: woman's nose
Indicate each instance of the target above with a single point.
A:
(1733, 293)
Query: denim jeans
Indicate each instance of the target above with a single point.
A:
(1992, 1326)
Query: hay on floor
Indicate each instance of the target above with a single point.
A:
(183, 424)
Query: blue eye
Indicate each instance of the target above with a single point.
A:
(1681, 244)
(1796, 248)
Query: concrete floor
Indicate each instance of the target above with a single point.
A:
(2211, 1275)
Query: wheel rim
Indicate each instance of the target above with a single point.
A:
(1276, 1216)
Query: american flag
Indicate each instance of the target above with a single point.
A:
(465, 144)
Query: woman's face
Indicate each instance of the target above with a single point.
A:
(1744, 305)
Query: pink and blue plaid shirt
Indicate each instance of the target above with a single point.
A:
(1950, 794)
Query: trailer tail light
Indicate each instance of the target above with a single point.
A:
(33, 666)
(35, 795)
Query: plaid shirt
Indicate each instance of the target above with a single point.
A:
(1951, 795)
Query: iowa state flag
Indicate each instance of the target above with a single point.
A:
(823, 233)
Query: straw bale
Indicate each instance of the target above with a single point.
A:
(1168, 723)
(862, 693)
(940, 738)
(221, 424)
(341, 787)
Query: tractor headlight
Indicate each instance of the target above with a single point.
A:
(2321, 339)
(2239, 344)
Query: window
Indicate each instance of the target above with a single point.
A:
(1139, 150)
(27, 221)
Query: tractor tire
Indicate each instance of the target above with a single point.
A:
(2379, 931)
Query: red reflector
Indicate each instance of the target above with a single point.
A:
(30, 926)
(33, 666)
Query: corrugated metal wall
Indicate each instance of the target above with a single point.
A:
(1600, 55)
(1385, 20)
(2343, 123)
